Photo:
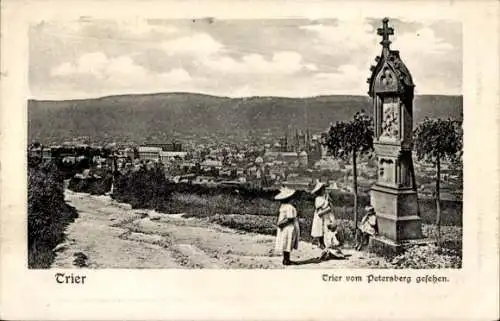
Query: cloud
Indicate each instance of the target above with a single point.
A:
(284, 63)
(101, 72)
(435, 63)
(127, 30)
(178, 75)
(423, 42)
(348, 79)
(343, 36)
(90, 63)
(141, 27)
(98, 65)
(344, 73)
(289, 59)
(199, 44)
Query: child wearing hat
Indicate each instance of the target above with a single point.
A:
(288, 231)
(366, 228)
(322, 214)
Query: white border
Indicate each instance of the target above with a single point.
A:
(258, 294)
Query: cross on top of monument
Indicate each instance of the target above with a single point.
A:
(385, 32)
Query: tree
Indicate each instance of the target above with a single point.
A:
(136, 152)
(436, 140)
(349, 140)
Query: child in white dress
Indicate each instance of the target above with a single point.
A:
(333, 244)
(323, 214)
(288, 232)
(366, 228)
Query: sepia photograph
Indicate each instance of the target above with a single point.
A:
(250, 160)
(210, 143)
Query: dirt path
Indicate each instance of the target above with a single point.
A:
(108, 234)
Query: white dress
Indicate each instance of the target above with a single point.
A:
(331, 240)
(287, 238)
(319, 223)
(368, 224)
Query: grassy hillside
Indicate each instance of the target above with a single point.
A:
(135, 117)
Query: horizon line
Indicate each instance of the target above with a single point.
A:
(221, 96)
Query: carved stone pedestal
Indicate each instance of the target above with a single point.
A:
(394, 195)
(398, 222)
(396, 210)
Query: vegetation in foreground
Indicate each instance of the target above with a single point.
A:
(255, 211)
(48, 214)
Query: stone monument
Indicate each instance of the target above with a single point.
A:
(393, 195)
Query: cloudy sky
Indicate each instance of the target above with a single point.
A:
(295, 58)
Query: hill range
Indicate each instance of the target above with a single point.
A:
(134, 118)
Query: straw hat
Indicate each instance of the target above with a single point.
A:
(332, 226)
(319, 185)
(284, 193)
(369, 209)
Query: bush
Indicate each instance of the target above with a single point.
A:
(249, 223)
(91, 185)
(145, 188)
(427, 257)
(48, 214)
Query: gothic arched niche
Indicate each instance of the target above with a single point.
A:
(387, 80)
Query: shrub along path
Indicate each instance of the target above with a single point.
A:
(108, 234)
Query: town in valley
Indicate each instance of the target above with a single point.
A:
(296, 159)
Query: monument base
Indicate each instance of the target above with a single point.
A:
(399, 225)
(388, 248)
(396, 210)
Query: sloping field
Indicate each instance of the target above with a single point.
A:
(108, 234)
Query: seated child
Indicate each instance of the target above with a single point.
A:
(333, 244)
(366, 228)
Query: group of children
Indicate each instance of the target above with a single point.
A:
(324, 228)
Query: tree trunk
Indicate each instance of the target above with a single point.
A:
(355, 191)
(438, 205)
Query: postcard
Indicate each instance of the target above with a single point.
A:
(249, 159)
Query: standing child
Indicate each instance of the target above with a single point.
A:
(322, 214)
(288, 232)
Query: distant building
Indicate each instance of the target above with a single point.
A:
(166, 156)
(303, 159)
(167, 147)
(286, 157)
(303, 185)
(129, 152)
(211, 164)
(204, 180)
(290, 158)
(327, 163)
(149, 153)
(302, 140)
(270, 156)
(46, 154)
(188, 166)
(36, 152)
